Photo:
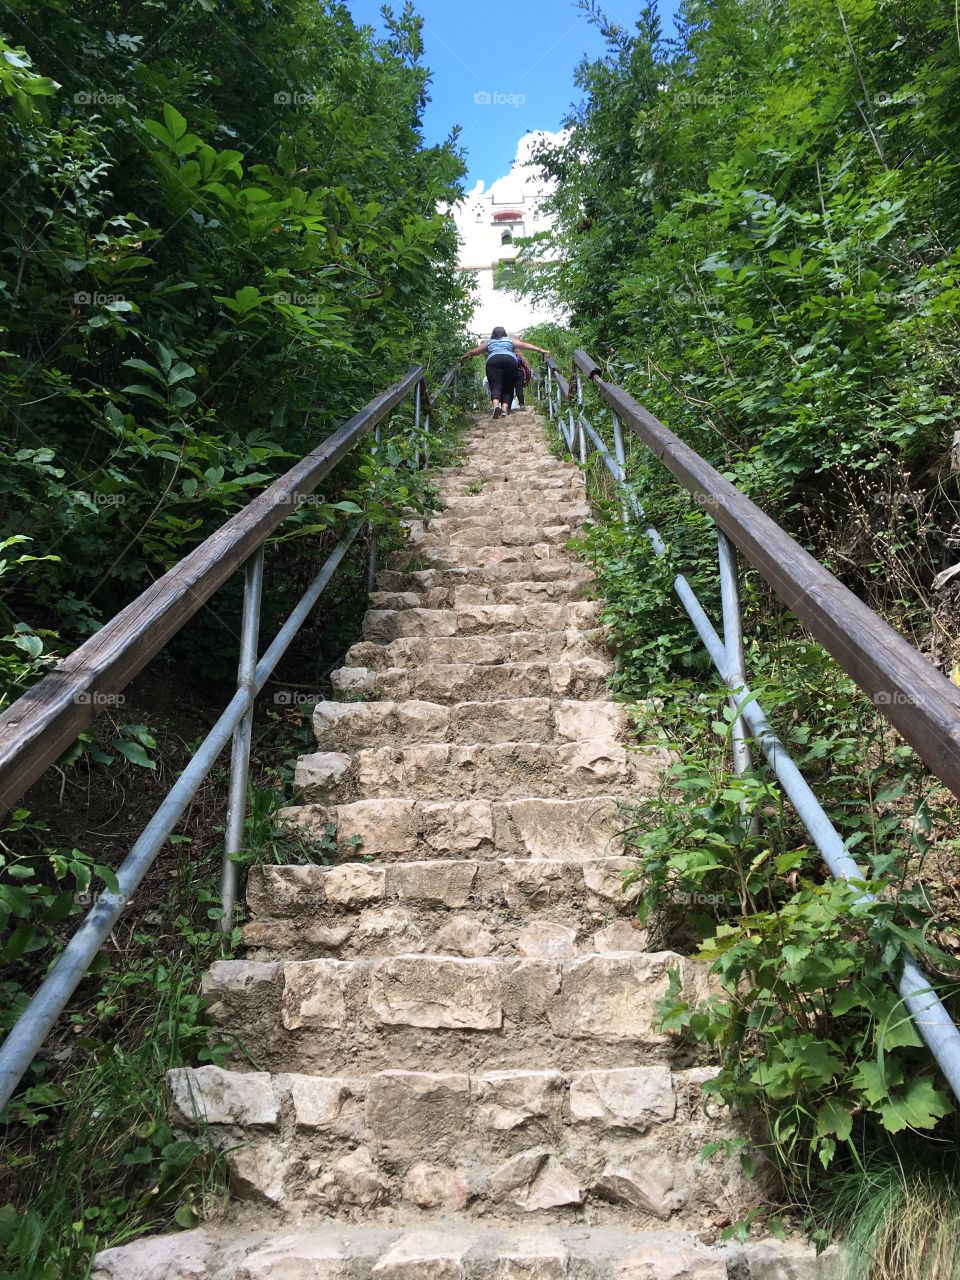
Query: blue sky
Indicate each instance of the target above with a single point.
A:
(522, 54)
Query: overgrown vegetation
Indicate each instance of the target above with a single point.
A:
(756, 233)
(89, 1156)
(219, 239)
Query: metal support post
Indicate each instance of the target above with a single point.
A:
(242, 736)
(371, 534)
(733, 645)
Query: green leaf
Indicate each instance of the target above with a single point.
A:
(175, 122)
(135, 753)
(836, 1117)
(920, 1106)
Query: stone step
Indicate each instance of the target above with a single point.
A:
(385, 625)
(449, 1246)
(457, 483)
(473, 1014)
(502, 499)
(455, 682)
(450, 771)
(467, 907)
(553, 569)
(527, 827)
(560, 590)
(494, 468)
(622, 1143)
(489, 514)
(537, 509)
(354, 726)
(443, 554)
(521, 646)
(480, 531)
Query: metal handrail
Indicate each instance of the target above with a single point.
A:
(870, 653)
(36, 728)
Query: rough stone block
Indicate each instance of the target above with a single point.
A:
(258, 1172)
(508, 1099)
(605, 878)
(437, 991)
(353, 1180)
(546, 940)
(623, 1098)
(589, 721)
(621, 935)
(534, 1179)
(648, 1187)
(216, 1096)
(506, 720)
(382, 826)
(789, 1260)
(537, 1257)
(301, 1255)
(611, 998)
(456, 825)
(676, 1257)
(416, 1110)
(445, 884)
(433, 1187)
(426, 1255)
(313, 994)
(324, 1103)
(422, 721)
(186, 1256)
(320, 774)
(567, 828)
(466, 937)
(354, 884)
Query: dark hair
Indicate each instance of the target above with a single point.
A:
(499, 332)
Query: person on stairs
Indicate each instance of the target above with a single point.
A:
(502, 367)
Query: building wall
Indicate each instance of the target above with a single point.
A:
(488, 220)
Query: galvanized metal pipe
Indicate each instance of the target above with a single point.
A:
(242, 738)
(371, 532)
(621, 458)
(583, 439)
(31, 1028)
(733, 642)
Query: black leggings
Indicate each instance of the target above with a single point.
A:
(502, 375)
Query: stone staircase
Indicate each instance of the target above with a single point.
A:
(447, 1065)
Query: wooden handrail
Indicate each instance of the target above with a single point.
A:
(920, 702)
(39, 726)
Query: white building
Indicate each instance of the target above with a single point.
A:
(489, 222)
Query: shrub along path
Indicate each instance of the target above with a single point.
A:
(448, 1064)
